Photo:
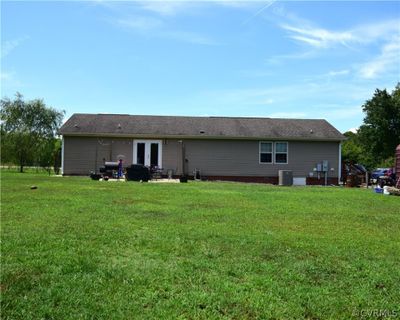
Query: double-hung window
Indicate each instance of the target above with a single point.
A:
(273, 152)
(266, 152)
(281, 152)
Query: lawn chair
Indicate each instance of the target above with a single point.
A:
(156, 172)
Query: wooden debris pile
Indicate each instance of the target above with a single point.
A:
(394, 191)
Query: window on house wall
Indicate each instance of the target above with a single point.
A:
(281, 152)
(266, 152)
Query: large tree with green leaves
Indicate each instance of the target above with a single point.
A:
(28, 129)
(380, 133)
(351, 149)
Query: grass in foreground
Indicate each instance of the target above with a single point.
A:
(76, 248)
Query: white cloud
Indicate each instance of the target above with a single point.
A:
(310, 99)
(155, 26)
(190, 37)
(372, 32)
(338, 73)
(166, 8)
(384, 35)
(324, 38)
(9, 79)
(140, 23)
(268, 101)
(332, 113)
(341, 113)
(10, 45)
(388, 59)
(277, 59)
(5, 76)
(259, 11)
(241, 4)
(318, 37)
(354, 130)
(170, 8)
(292, 115)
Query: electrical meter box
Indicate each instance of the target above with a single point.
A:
(325, 166)
(319, 167)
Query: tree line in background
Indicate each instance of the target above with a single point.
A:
(29, 134)
(375, 142)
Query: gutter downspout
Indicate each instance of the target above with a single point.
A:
(183, 160)
(182, 167)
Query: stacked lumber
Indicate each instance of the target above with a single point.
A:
(394, 191)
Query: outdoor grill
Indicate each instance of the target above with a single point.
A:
(109, 169)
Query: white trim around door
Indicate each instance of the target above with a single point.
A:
(147, 152)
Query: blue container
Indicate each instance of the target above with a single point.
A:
(378, 190)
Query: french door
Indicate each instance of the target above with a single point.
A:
(147, 152)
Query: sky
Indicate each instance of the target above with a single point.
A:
(282, 59)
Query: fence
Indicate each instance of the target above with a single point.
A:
(29, 169)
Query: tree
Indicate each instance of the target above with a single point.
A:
(50, 155)
(5, 146)
(351, 148)
(28, 128)
(380, 133)
(57, 156)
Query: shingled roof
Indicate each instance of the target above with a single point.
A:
(121, 125)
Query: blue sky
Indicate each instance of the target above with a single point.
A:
(261, 58)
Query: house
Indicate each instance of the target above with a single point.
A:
(223, 148)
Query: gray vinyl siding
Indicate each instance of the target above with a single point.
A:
(212, 157)
(172, 156)
(241, 158)
(83, 155)
(303, 157)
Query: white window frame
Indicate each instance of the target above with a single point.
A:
(287, 152)
(272, 152)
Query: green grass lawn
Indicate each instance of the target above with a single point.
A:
(81, 249)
